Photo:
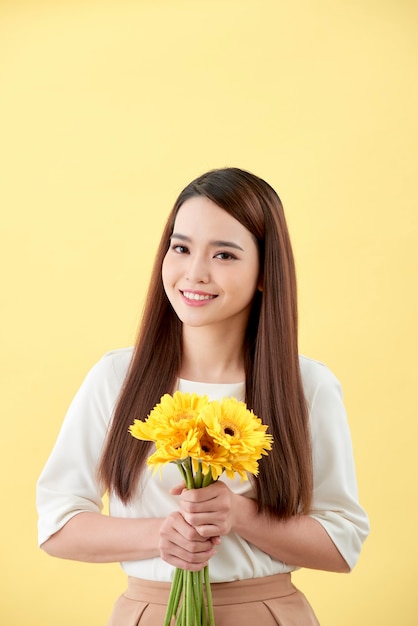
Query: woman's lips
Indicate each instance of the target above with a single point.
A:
(197, 296)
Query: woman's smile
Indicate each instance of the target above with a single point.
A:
(197, 297)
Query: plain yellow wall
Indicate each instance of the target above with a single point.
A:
(107, 110)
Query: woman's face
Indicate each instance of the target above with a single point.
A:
(211, 270)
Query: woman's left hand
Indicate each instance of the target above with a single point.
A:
(208, 510)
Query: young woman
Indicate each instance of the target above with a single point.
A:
(220, 320)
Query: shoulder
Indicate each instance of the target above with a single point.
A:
(116, 363)
(108, 374)
(320, 384)
(324, 398)
(100, 389)
(315, 373)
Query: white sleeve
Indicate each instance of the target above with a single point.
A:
(335, 501)
(68, 484)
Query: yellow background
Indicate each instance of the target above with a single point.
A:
(107, 110)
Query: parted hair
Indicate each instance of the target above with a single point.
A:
(273, 382)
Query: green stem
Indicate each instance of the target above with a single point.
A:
(207, 479)
(197, 597)
(182, 470)
(198, 479)
(179, 590)
(202, 603)
(189, 599)
(174, 597)
(187, 465)
(180, 617)
(209, 597)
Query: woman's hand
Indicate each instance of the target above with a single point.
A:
(188, 537)
(182, 546)
(208, 510)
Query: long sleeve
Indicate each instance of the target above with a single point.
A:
(68, 483)
(335, 497)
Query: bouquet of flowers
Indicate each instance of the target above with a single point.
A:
(204, 438)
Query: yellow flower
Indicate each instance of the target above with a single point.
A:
(171, 417)
(242, 467)
(175, 450)
(213, 457)
(238, 430)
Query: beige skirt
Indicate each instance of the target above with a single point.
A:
(268, 601)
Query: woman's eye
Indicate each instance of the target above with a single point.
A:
(225, 256)
(179, 249)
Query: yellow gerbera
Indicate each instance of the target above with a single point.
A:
(212, 456)
(172, 416)
(242, 467)
(175, 450)
(237, 429)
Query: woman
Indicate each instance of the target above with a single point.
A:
(220, 319)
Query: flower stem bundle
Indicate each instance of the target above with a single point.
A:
(204, 439)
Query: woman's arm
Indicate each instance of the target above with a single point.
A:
(331, 536)
(96, 538)
(299, 541)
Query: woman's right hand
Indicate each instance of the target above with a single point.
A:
(182, 546)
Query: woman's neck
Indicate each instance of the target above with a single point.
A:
(212, 357)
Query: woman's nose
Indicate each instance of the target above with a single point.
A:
(197, 270)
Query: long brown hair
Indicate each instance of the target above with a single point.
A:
(273, 381)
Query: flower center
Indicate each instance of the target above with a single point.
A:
(184, 415)
(231, 430)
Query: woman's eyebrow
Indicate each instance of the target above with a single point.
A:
(226, 244)
(218, 242)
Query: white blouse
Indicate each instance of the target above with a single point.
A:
(68, 485)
